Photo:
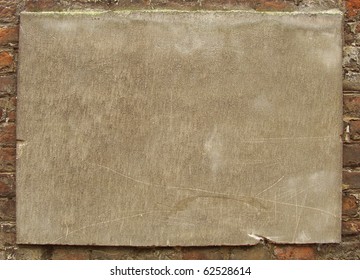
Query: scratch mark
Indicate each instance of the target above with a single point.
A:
(273, 185)
(298, 220)
(240, 198)
(301, 206)
(105, 222)
(275, 207)
(128, 177)
(261, 140)
(67, 231)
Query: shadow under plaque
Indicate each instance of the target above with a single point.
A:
(169, 128)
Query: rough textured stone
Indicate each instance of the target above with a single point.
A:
(165, 122)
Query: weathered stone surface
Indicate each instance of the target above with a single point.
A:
(179, 128)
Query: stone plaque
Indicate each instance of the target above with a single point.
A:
(169, 128)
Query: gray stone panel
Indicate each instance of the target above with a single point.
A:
(179, 128)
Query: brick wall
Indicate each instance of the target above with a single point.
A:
(348, 249)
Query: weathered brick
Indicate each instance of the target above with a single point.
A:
(8, 35)
(112, 253)
(71, 253)
(6, 61)
(129, 253)
(350, 227)
(7, 133)
(37, 5)
(7, 108)
(351, 178)
(258, 252)
(294, 252)
(351, 81)
(351, 155)
(349, 205)
(2, 255)
(11, 116)
(7, 209)
(354, 129)
(7, 235)
(342, 251)
(157, 254)
(7, 159)
(7, 85)
(29, 252)
(205, 253)
(351, 57)
(9, 10)
(352, 105)
(7, 185)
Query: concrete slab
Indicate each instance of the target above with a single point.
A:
(179, 128)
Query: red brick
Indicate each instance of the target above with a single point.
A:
(351, 155)
(7, 159)
(7, 85)
(69, 253)
(352, 105)
(11, 116)
(295, 252)
(7, 133)
(7, 185)
(8, 35)
(7, 209)
(351, 227)
(354, 130)
(352, 8)
(205, 253)
(349, 205)
(273, 5)
(6, 60)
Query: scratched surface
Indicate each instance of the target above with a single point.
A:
(179, 128)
